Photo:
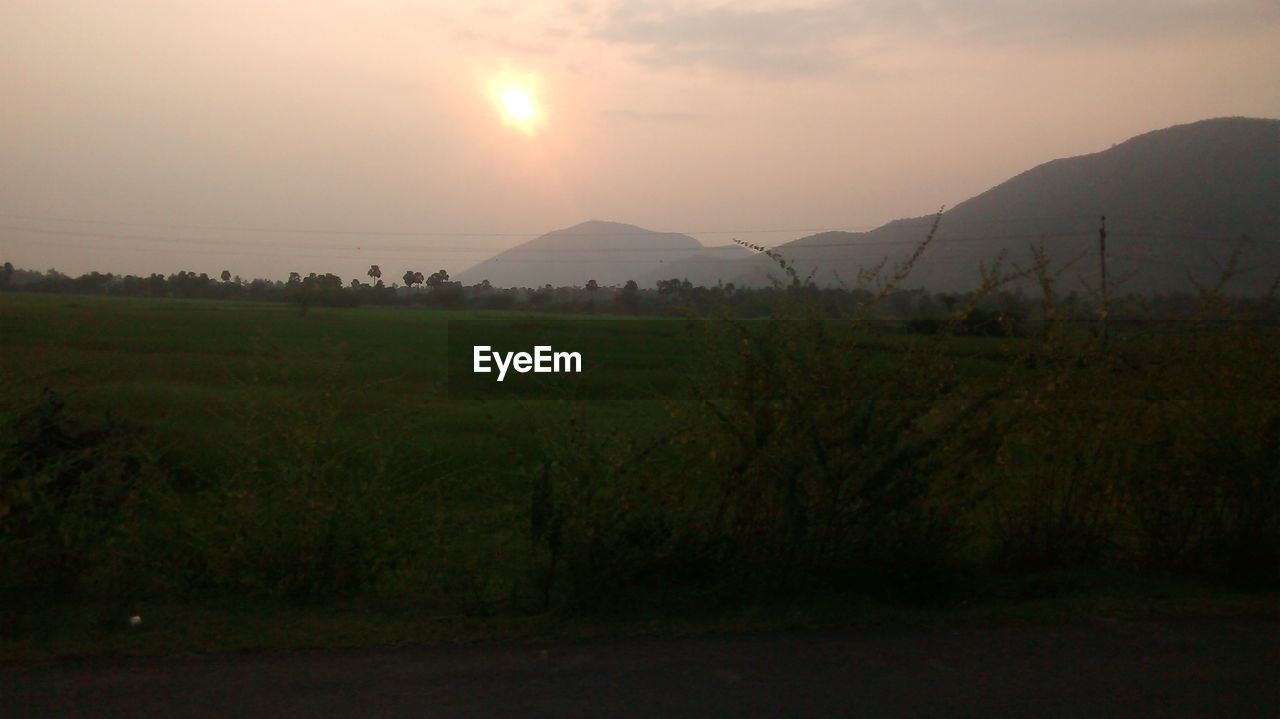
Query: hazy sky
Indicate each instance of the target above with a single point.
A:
(371, 116)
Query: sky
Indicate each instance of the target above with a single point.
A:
(265, 137)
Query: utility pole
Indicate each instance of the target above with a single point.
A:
(1106, 299)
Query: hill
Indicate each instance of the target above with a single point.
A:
(1176, 200)
(608, 252)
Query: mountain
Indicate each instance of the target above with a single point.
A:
(1176, 200)
(608, 252)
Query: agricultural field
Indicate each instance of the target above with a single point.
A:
(195, 372)
(259, 464)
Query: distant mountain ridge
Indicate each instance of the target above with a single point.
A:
(608, 252)
(1177, 201)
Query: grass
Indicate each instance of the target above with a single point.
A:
(188, 366)
(302, 480)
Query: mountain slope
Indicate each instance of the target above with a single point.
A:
(1176, 200)
(608, 252)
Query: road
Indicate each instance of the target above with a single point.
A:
(1183, 668)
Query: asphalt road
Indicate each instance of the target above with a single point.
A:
(1201, 668)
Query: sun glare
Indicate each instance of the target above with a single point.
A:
(518, 107)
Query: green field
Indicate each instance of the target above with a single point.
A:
(194, 370)
(203, 374)
(252, 473)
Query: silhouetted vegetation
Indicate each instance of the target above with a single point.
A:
(989, 445)
(994, 314)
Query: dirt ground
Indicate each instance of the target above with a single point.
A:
(1175, 668)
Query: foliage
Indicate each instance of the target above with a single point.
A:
(889, 444)
(75, 501)
(1154, 448)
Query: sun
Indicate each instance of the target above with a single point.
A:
(518, 105)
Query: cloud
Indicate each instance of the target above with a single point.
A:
(768, 42)
(818, 39)
(658, 117)
(506, 44)
(1085, 21)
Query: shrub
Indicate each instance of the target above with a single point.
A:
(73, 496)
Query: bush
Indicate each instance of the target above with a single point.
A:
(73, 501)
(826, 466)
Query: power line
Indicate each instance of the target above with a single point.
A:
(399, 233)
(569, 250)
(369, 232)
(347, 246)
(905, 222)
(797, 249)
(650, 262)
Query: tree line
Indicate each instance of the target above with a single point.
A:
(998, 313)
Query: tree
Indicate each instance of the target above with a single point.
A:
(411, 278)
(327, 281)
(375, 272)
(226, 275)
(629, 298)
(542, 295)
(592, 286)
(674, 286)
(436, 279)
